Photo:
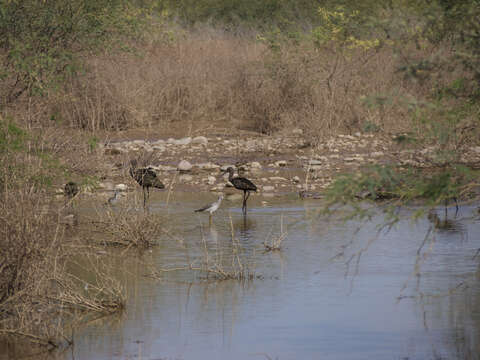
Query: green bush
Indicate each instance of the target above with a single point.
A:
(41, 42)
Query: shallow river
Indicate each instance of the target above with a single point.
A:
(334, 291)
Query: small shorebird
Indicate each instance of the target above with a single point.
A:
(114, 199)
(146, 178)
(211, 208)
(243, 184)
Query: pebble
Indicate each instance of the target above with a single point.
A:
(268, 188)
(255, 165)
(296, 179)
(184, 165)
(208, 166)
(183, 141)
(277, 178)
(281, 163)
(185, 178)
(211, 180)
(200, 140)
(121, 187)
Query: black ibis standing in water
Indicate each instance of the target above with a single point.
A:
(211, 208)
(243, 184)
(146, 178)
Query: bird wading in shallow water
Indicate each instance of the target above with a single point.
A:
(146, 178)
(243, 184)
(211, 208)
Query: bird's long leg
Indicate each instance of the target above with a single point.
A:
(144, 198)
(245, 197)
(456, 206)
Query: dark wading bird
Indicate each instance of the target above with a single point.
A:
(70, 190)
(211, 208)
(146, 178)
(243, 184)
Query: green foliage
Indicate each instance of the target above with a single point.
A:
(231, 14)
(92, 143)
(23, 160)
(399, 187)
(41, 41)
(12, 138)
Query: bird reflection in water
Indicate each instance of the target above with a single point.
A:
(444, 224)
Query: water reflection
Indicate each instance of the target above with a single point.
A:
(330, 293)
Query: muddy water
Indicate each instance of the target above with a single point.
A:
(334, 291)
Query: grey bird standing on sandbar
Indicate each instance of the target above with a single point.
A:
(211, 208)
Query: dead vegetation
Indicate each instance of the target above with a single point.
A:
(38, 293)
(214, 261)
(127, 227)
(217, 78)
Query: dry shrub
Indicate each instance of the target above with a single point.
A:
(127, 227)
(37, 290)
(212, 77)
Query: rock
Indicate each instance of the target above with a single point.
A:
(296, 179)
(200, 140)
(106, 185)
(185, 178)
(164, 168)
(377, 154)
(138, 142)
(281, 163)
(268, 188)
(121, 187)
(297, 131)
(255, 165)
(208, 166)
(158, 142)
(277, 178)
(184, 165)
(171, 141)
(148, 148)
(183, 141)
(159, 148)
(315, 162)
(211, 180)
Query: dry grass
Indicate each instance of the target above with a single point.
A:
(39, 294)
(216, 262)
(127, 227)
(274, 243)
(212, 77)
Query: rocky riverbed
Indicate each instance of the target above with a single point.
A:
(278, 164)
